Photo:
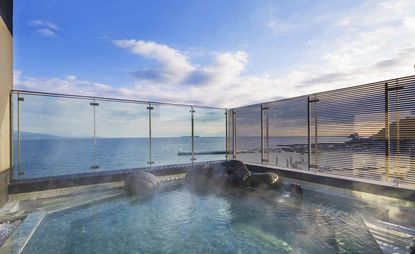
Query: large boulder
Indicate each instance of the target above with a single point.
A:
(236, 171)
(200, 175)
(218, 175)
(266, 180)
(141, 184)
(294, 188)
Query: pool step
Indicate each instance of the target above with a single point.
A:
(392, 238)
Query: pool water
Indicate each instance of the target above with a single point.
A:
(178, 220)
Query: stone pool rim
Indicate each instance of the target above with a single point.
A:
(373, 187)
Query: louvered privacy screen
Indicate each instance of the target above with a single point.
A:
(366, 132)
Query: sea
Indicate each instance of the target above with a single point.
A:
(65, 156)
(43, 157)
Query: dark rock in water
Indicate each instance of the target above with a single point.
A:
(294, 188)
(200, 175)
(237, 171)
(218, 175)
(141, 184)
(263, 180)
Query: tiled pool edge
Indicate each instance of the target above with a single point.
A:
(18, 240)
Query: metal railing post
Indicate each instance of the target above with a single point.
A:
(308, 134)
(262, 134)
(94, 165)
(234, 134)
(264, 124)
(150, 159)
(192, 112)
(398, 135)
(387, 132)
(19, 167)
(11, 136)
(316, 133)
(309, 101)
(226, 136)
(267, 134)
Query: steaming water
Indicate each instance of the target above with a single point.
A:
(180, 221)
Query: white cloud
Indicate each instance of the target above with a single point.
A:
(67, 85)
(374, 43)
(42, 23)
(174, 65)
(276, 24)
(44, 28)
(45, 32)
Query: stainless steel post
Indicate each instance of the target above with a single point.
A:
(226, 136)
(308, 134)
(192, 112)
(234, 134)
(150, 160)
(94, 165)
(19, 169)
(11, 134)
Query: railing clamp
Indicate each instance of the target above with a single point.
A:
(20, 98)
(150, 107)
(395, 88)
(94, 104)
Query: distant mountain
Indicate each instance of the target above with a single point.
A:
(31, 135)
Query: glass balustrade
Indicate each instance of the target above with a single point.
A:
(362, 132)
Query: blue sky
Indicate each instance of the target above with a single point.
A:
(217, 53)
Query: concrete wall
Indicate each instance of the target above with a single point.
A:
(6, 84)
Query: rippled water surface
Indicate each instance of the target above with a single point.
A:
(181, 221)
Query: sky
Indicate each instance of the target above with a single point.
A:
(212, 53)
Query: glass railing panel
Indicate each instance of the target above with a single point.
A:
(210, 134)
(248, 133)
(55, 136)
(287, 130)
(121, 135)
(347, 138)
(171, 135)
(401, 122)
